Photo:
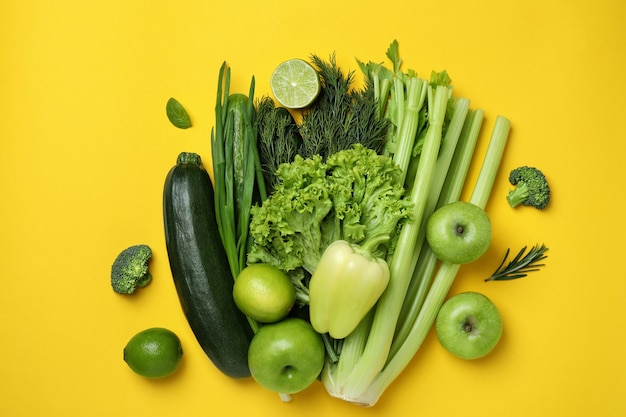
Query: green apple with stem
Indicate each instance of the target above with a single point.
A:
(459, 232)
(468, 325)
(286, 356)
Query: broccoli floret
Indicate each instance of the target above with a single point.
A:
(130, 269)
(531, 188)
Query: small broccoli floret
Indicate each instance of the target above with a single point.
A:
(531, 188)
(130, 269)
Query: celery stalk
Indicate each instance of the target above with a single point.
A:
(491, 163)
(416, 91)
(442, 166)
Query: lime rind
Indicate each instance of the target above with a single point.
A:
(295, 84)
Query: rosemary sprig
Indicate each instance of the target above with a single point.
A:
(521, 265)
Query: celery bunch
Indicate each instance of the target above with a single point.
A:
(432, 139)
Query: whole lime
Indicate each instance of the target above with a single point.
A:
(153, 353)
(264, 293)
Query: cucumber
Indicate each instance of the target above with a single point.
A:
(236, 114)
(201, 273)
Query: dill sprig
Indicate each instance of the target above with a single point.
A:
(521, 264)
(279, 138)
(341, 115)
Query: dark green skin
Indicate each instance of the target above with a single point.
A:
(200, 269)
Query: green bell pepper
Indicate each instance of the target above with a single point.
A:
(344, 287)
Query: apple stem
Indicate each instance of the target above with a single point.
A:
(286, 398)
(469, 324)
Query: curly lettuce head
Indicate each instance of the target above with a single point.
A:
(355, 196)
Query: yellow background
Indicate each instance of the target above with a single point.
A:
(85, 146)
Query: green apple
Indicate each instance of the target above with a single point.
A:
(468, 325)
(459, 232)
(287, 356)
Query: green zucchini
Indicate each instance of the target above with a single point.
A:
(201, 273)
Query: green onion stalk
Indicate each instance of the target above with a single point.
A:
(237, 173)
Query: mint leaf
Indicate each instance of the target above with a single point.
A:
(177, 114)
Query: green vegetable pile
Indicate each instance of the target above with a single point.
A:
(338, 200)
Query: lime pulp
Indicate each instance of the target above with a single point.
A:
(295, 84)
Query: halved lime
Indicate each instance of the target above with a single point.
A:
(295, 84)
